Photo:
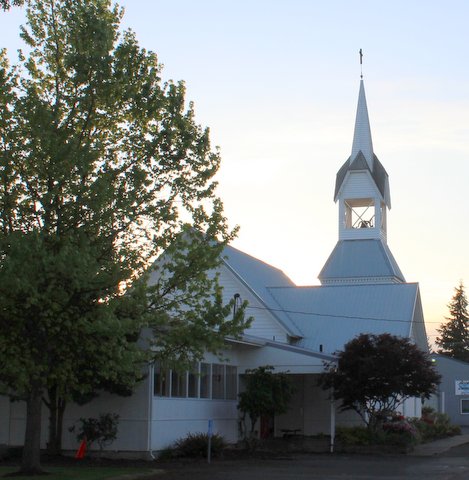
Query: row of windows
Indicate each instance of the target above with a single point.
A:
(206, 380)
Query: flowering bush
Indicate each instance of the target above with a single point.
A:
(401, 426)
(433, 425)
(400, 431)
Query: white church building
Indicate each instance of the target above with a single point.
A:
(295, 328)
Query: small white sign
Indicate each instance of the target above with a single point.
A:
(462, 387)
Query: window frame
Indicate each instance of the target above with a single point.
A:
(461, 409)
(197, 383)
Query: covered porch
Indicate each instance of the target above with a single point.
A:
(311, 411)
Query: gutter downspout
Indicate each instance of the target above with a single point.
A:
(151, 368)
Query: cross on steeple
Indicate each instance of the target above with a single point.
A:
(361, 63)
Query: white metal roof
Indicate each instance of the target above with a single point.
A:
(361, 261)
(258, 276)
(330, 316)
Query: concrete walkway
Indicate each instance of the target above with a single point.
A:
(439, 446)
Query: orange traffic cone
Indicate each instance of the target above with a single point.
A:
(81, 449)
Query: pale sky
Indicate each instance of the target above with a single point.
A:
(277, 83)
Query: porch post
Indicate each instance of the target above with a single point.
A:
(151, 386)
(332, 421)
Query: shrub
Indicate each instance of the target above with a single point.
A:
(195, 445)
(400, 431)
(357, 435)
(102, 430)
(433, 425)
(428, 413)
(395, 431)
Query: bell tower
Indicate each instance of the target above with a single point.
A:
(362, 193)
(362, 185)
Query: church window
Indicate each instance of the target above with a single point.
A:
(193, 382)
(161, 386)
(204, 380)
(218, 381)
(178, 384)
(465, 406)
(231, 382)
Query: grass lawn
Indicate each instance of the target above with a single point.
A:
(78, 473)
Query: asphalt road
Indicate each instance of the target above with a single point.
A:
(453, 465)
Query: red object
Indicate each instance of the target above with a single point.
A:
(81, 449)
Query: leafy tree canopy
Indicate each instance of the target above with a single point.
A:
(453, 338)
(7, 4)
(102, 169)
(374, 374)
(266, 393)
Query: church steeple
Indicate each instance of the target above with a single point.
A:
(362, 184)
(362, 192)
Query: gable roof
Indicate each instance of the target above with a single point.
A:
(332, 315)
(379, 175)
(258, 276)
(361, 261)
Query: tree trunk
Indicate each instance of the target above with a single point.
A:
(31, 462)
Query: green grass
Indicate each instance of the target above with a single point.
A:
(77, 473)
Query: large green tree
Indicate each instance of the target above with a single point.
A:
(265, 394)
(102, 169)
(7, 4)
(374, 374)
(453, 339)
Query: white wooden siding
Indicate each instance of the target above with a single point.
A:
(283, 360)
(359, 185)
(360, 233)
(132, 428)
(174, 418)
(264, 325)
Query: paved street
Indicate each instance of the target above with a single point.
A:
(453, 465)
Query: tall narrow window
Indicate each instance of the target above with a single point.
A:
(205, 380)
(178, 384)
(161, 382)
(218, 381)
(231, 382)
(193, 382)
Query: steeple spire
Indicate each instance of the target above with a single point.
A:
(362, 134)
